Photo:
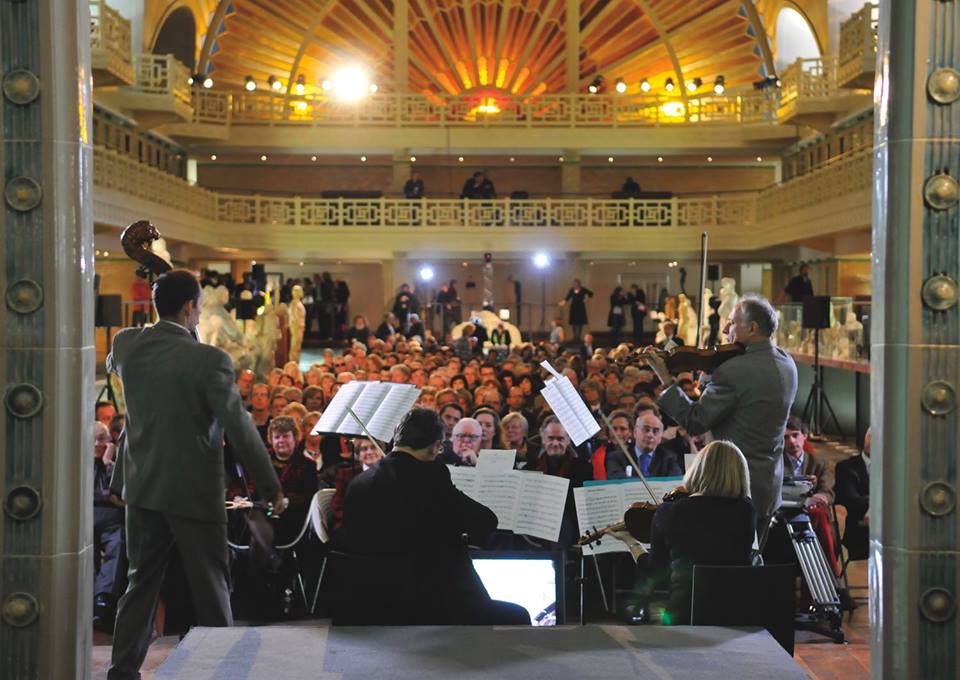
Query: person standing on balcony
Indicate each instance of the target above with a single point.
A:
(637, 300)
(414, 186)
(617, 318)
(630, 188)
(577, 296)
(487, 190)
(800, 285)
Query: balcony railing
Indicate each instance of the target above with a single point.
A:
(809, 79)
(110, 46)
(841, 176)
(559, 110)
(163, 74)
(858, 45)
(847, 175)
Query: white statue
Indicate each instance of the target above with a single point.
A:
(687, 321)
(728, 298)
(490, 321)
(298, 323)
(661, 319)
(705, 312)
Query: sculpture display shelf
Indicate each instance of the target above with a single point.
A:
(842, 343)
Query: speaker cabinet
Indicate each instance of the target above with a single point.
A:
(109, 311)
(260, 276)
(816, 311)
(713, 272)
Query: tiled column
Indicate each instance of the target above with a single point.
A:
(47, 364)
(570, 173)
(915, 533)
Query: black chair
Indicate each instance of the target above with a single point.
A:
(746, 596)
(366, 590)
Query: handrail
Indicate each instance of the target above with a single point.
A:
(806, 78)
(858, 43)
(110, 35)
(842, 176)
(163, 74)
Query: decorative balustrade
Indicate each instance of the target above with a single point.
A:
(809, 79)
(558, 110)
(163, 74)
(110, 44)
(858, 46)
(842, 176)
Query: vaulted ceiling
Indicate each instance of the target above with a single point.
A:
(515, 46)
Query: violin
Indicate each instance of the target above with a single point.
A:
(637, 520)
(682, 359)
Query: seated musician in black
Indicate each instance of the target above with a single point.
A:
(712, 522)
(403, 531)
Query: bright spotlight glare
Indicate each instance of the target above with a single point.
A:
(426, 273)
(208, 82)
(351, 83)
(541, 260)
(621, 86)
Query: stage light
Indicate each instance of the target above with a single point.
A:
(609, 159)
(363, 159)
(426, 273)
(373, 88)
(512, 159)
(249, 84)
(413, 159)
(668, 85)
(327, 85)
(644, 85)
(709, 159)
(759, 159)
(694, 85)
(263, 157)
(595, 86)
(313, 158)
(659, 159)
(207, 82)
(213, 156)
(274, 84)
(560, 159)
(350, 83)
(106, 253)
(301, 84)
(460, 159)
(193, 79)
(621, 86)
(719, 85)
(541, 260)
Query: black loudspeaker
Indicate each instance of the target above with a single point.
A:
(816, 311)
(260, 276)
(109, 311)
(713, 272)
(246, 310)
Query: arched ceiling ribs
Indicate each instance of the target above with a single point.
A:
(211, 36)
(671, 52)
(308, 37)
(761, 36)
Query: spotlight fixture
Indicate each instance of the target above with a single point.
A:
(694, 85)
(709, 159)
(193, 79)
(541, 260)
(106, 253)
(644, 85)
(373, 88)
(327, 85)
(363, 159)
(512, 159)
(313, 158)
(413, 159)
(426, 273)
(213, 156)
(609, 159)
(274, 84)
(301, 84)
(301, 264)
(351, 83)
(621, 86)
(759, 159)
(668, 85)
(719, 85)
(659, 159)
(560, 159)
(769, 81)
(207, 82)
(249, 84)
(460, 159)
(263, 157)
(595, 86)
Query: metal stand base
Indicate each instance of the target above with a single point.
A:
(824, 617)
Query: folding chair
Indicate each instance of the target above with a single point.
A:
(320, 518)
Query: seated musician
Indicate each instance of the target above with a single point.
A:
(799, 461)
(404, 516)
(297, 474)
(853, 493)
(368, 456)
(713, 524)
(654, 459)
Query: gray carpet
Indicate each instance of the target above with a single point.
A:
(464, 653)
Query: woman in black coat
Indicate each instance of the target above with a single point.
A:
(577, 296)
(617, 318)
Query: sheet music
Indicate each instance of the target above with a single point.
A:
(465, 479)
(568, 406)
(602, 503)
(500, 492)
(379, 405)
(496, 460)
(540, 509)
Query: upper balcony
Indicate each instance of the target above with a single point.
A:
(858, 48)
(110, 46)
(160, 93)
(833, 199)
(811, 94)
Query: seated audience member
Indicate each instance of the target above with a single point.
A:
(293, 394)
(654, 460)
(273, 378)
(799, 462)
(592, 395)
(515, 430)
(630, 187)
(557, 457)
(245, 384)
(278, 402)
(714, 524)
(415, 327)
(450, 413)
(360, 331)
(388, 327)
(621, 423)
(105, 411)
(671, 338)
(311, 442)
(427, 398)
(399, 374)
(295, 410)
(297, 474)
(466, 438)
(853, 493)
(313, 398)
(689, 388)
(260, 408)
(490, 422)
(107, 533)
(463, 346)
(367, 456)
(406, 512)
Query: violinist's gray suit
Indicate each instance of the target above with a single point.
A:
(747, 401)
(181, 398)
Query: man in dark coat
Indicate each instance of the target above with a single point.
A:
(576, 297)
(654, 459)
(853, 492)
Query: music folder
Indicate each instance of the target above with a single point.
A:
(568, 406)
(380, 405)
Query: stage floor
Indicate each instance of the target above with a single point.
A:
(425, 653)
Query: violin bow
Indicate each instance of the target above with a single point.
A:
(703, 287)
(630, 457)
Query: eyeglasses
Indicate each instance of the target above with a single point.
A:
(468, 437)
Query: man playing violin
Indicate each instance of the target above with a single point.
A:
(746, 400)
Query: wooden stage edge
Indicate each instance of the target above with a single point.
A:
(443, 652)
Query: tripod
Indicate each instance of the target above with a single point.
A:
(108, 386)
(813, 410)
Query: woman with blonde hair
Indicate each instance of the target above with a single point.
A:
(712, 522)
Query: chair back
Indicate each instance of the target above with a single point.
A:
(761, 597)
(321, 513)
(370, 590)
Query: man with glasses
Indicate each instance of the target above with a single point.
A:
(467, 434)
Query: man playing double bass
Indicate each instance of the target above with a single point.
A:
(746, 401)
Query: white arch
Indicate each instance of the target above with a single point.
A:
(795, 39)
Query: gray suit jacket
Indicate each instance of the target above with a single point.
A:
(181, 397)
(746, 401)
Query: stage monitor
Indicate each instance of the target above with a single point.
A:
(816, 311)
(530, 580)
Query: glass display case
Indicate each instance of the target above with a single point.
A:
(844, 340)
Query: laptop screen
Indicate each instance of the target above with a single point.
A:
(530, 582)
